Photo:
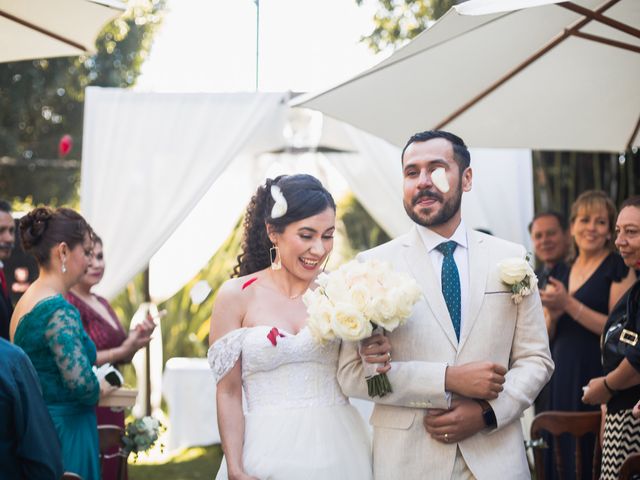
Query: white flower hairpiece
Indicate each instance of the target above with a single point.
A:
(280, 203)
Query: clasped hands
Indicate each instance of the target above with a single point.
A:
(476, 380)
(555, 297)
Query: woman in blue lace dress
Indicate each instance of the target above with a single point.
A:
(49, 330)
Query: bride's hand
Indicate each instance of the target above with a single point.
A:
(377, 349)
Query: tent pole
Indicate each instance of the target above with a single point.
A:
(147, 349)
(257, 2)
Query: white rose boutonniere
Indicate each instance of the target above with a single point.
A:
(517, 273)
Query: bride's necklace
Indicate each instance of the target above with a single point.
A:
(282, 292)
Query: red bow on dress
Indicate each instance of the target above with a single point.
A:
(273, 336)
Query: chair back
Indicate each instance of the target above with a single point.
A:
(576, 424)
(631, 467)
(110, 440)
(71, 476)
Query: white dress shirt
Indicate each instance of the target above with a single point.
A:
(460, 255)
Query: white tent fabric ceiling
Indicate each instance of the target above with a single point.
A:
(166, 176)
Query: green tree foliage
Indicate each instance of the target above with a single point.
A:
(359, 229)
(397, 21)
(42, 100)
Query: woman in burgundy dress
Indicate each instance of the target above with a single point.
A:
(113, 343)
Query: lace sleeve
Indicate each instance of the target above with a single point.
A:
(64, 336)
(224, 353)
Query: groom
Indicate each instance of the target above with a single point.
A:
(469, 360)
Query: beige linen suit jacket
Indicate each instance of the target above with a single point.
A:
(494, 329)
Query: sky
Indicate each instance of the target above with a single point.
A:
(305, 45)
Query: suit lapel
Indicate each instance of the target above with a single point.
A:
(478, 271)
(420, 266)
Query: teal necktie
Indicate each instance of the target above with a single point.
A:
(451, 283)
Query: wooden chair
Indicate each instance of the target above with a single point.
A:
(631, 467)
(109, 438)
(576, 424)
(70, 476)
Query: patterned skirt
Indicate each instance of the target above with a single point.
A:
(621, 439)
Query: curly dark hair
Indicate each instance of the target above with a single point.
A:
(43, 227)
(305, 197)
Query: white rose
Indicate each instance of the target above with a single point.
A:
(337, 289)
(360, 298)
(322, 279)
(149, 424)
(384, 309)
(513, 270)
(320, 317)
(349, 324)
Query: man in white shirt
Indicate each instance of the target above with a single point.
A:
(470, 359)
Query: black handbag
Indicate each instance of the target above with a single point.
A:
(622, 334)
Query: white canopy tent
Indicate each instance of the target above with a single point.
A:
(166, 176)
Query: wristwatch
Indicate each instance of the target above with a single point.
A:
(488, 414)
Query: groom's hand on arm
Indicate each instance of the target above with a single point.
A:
(481, 380)
(463, 420)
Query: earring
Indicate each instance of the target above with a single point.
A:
(64, 266)
(326, 262)
(274, 256)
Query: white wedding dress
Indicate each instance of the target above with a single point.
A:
(298, 423)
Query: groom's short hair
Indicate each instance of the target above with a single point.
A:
(460, 151)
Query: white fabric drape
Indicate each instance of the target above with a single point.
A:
(166, 176)
(148, 158)
(501, 198)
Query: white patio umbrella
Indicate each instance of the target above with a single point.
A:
(52, 28)
(540, 74)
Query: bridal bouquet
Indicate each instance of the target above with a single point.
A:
(358, 297)
(140, 435)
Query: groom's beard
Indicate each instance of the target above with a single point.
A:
(447, 210)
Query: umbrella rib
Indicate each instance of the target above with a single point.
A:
(42, 30)
(376, 68)
(633, 135)
(513, 72)
(607, 41)
(597, 16)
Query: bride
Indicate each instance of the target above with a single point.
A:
(297, 422)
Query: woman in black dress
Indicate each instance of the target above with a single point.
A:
(619, 388)
(579, 304)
